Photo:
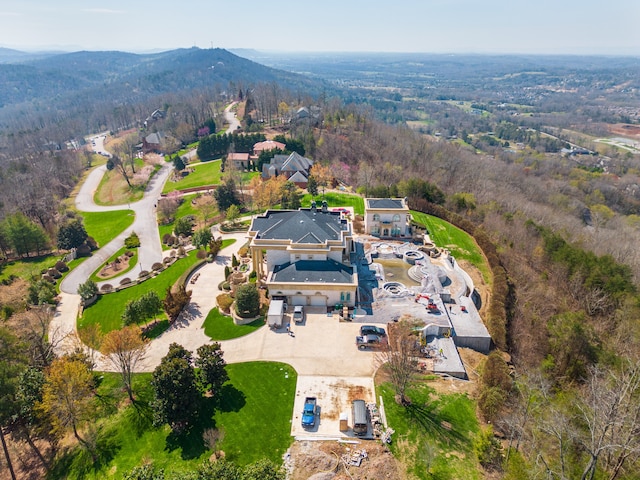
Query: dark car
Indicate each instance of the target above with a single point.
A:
(372, 330)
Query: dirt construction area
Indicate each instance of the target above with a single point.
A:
(330, 460)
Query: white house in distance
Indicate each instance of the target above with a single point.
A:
(307, 256)
(387, 217)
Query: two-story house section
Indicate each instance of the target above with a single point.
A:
(303, 256)
(387, 217)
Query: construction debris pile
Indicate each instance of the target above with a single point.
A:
(354, 458)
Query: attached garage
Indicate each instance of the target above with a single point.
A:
(318, 300)
(298, 299)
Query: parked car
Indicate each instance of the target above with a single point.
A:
(370, 341)
(372, 330)
(309, 412)
(298, 314)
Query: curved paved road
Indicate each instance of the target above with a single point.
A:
(145, 225)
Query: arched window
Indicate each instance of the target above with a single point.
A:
(396, 218)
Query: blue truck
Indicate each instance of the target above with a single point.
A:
(309, 412)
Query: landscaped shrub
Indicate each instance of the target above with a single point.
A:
(143, 273)
(226, 286)
(181, 251)
(156, 267)
(125, 281)
(201, 254)
(132, 241)
(48, 278)
(83, 250)
(129, 253)
(91, 243)
(61, 266)
(172, 254)
(166, 260)
(227, 272)
(253, 276)
(224, 302)
(166, 237)
(106, 287)
(52, 272)
(247, 301)
(234, 261)
(243, 251)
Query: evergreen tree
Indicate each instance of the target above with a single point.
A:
(176, 396)
(71, 235)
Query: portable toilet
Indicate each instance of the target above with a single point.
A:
(344, 422)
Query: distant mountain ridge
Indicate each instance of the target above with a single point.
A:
(120, 76)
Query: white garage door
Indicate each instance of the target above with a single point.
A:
(318, 300)
(298, 299)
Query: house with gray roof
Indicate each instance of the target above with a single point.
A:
(293, 165)
(387, 217)
(154, 142)
(303, 256)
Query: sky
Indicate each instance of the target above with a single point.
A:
(607, 27)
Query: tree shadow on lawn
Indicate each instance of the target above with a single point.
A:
(191, 442)
(231, 399)
(433, 422)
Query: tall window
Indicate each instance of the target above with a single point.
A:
(396, 218)
(376, 217)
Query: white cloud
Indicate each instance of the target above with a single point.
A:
(10, 14)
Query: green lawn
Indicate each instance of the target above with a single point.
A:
(205, 173)
(335, 199)
(458, 242)
(105, 226)
(432, 425)
(28, 267)
(254, 413)
(107, 311)
(221, 327)
(256, 410)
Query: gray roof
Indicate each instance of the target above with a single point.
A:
(313, 271)
(300, 226)
(385, 203)
(155, 138)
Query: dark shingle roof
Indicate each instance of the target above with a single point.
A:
(300, 226)
(313, 271)
(385, 203)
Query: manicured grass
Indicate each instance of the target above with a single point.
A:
(28, 267)
(221, 327)
(458, 242)
(132, 263)
(205, 173)
(335, 199)
(255, 411)
(432, 425)
(107, 311)
(105, 226)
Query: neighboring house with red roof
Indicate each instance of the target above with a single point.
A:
(241, 160)
(267, 146)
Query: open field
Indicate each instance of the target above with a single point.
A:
(204, 173)
(254, 414)
(105, 226)
(336, 199)
(459, 243)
